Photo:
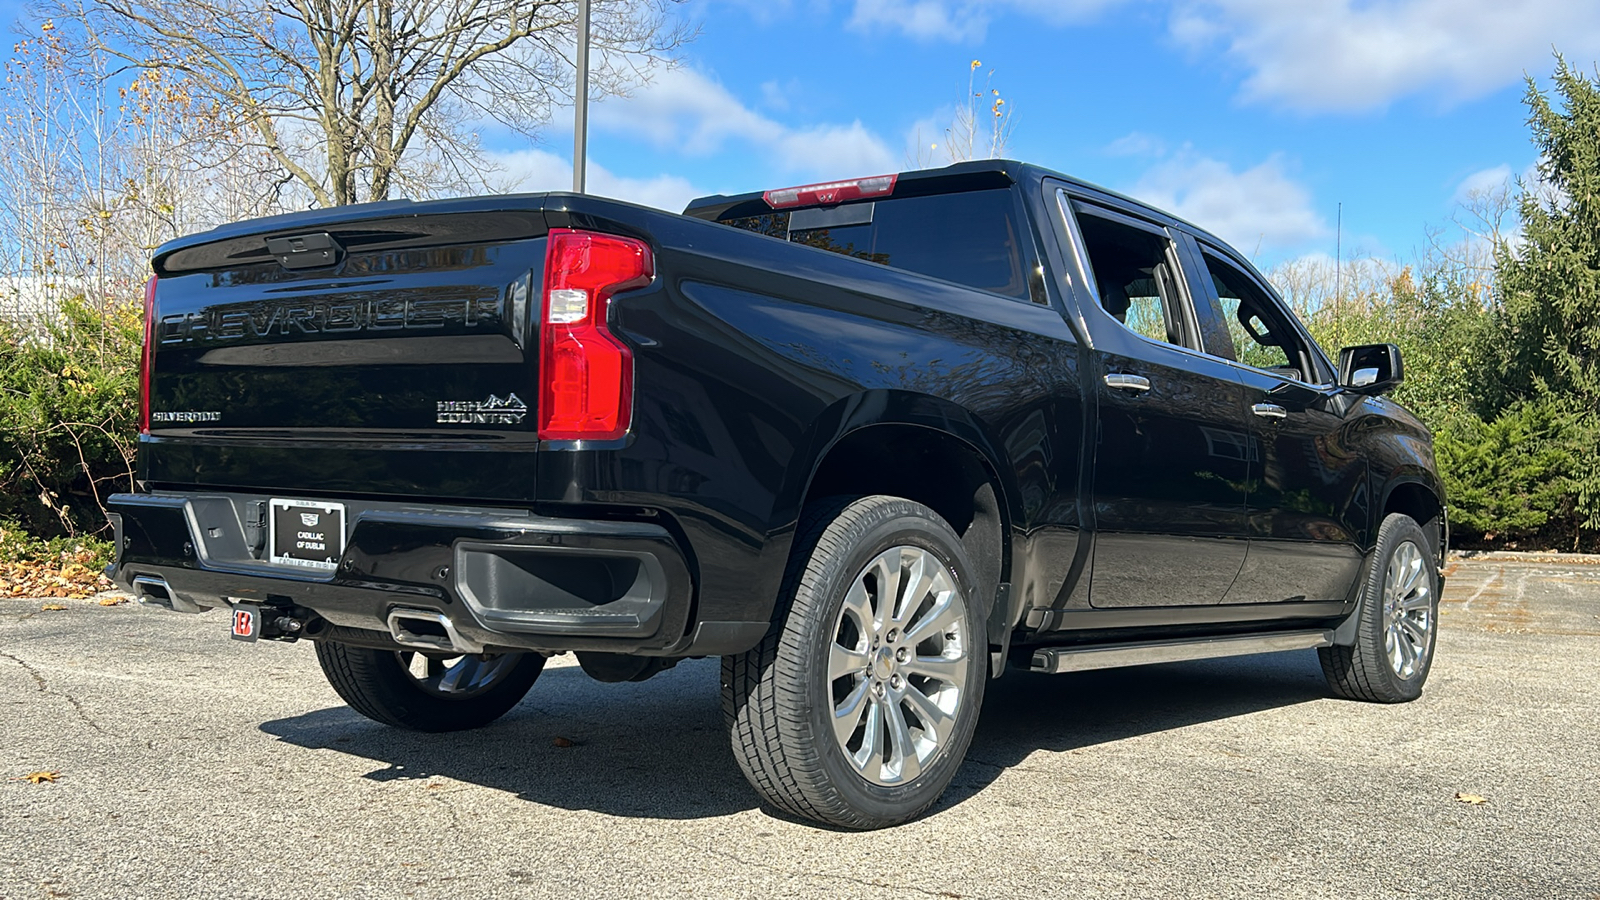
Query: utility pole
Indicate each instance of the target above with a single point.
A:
(580, 114)
(1338, 271)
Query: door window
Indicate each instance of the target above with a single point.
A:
(1262, 335)
(1135, 274)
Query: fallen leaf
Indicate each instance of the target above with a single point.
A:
(434, 785)
(52, 606)
(1472, 799)
(113, 601)
(40, 777)
(564, 742)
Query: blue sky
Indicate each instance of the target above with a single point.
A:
(1254, 118)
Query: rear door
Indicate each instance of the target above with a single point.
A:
(1171, 454)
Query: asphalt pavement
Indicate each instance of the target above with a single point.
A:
(195, 766)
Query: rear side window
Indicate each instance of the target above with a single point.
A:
(969, 238)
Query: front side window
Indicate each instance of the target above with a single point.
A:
(1261, 335)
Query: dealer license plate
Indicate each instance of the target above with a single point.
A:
(306, 534)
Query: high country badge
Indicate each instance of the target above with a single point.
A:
(493, 411)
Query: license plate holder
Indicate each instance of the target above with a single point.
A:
(307, 534)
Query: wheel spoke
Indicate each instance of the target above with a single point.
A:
(858, 606)
(886, 568)
(1391, 581)
(917, 581)
(1416, 602)
(461, 675)
(869, 759)
(1409, 562)
(939, 668)
(1415, 631)
(945, 612)
(847, 715)
(902, 751)
(935, 721)
(844, 661)
(1408, 655)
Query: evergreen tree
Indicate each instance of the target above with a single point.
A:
(1547, 341)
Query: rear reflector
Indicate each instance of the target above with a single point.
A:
(831, 193)
(585, 373)
(145, 362)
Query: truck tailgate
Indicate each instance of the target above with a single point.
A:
(380, 355)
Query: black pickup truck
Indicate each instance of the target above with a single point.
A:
(870, 442)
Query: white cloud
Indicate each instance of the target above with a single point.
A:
(1137, 143)
(1260, 208)
(687, 111)
(1482, 183)
(539, 170)
(1345, 55)
(774, 95)
(962, 20)
(836, 151)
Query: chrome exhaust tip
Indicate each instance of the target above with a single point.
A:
(153, 591)
(427, 630)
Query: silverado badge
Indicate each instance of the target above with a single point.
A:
(493, 411)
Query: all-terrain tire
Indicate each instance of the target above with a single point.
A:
(379, 685)
(781, 698)
(1396, 620)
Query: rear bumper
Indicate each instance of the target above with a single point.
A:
(502, 579)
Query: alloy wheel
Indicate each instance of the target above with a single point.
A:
(1409, 616)
(457, 676)
(897, 665)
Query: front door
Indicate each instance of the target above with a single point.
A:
(1308, 491)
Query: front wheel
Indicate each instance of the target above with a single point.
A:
(1397, 621)
(858, 711)
(409, 689)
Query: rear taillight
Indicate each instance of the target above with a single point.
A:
(145, 360)
(585, 373)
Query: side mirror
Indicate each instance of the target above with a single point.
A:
(1371, 369)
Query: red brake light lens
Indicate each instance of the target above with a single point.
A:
(585, 373)
(831, 192)
(145, 362)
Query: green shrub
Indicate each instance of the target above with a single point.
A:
(1511, 477)
(69, 403)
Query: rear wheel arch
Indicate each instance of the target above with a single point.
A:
(940, 470)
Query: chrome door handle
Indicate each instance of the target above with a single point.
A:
(1125, 382)
(1269, 411)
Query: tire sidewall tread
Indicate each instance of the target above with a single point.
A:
(1362, 671)
(778, 709)
(376, 684)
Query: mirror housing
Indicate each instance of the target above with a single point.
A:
(1370, 369)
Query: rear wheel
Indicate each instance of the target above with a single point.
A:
(409, 689)
(857, 712)
(1397, 621)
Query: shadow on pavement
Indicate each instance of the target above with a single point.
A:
(658, 749)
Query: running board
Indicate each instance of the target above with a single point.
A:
(1107, 656)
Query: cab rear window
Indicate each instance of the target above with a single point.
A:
(969, 238)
